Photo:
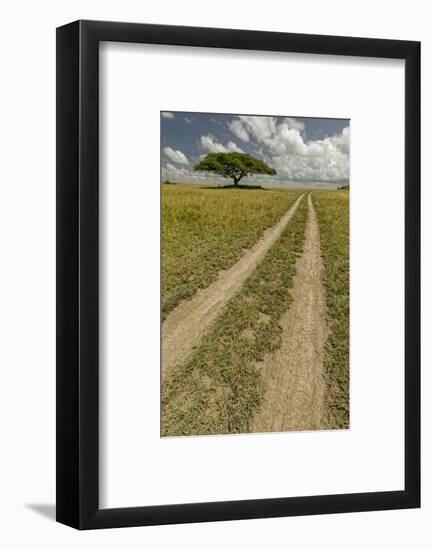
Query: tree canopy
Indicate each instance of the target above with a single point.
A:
(233, 165)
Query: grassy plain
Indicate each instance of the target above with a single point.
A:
(332, 209)
(220, 388)
(205, 230)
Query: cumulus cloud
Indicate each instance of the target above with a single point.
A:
(167, 114)
(282, 145)
(210, 144)
(322, 160)
(169, 171)
(174, 170)
(186, 175)
(237, 128)
(280, 142)
(259, 126)
(342, 141)
(176, 156)
(295, 124)
(233, 147)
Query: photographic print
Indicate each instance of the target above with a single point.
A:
(254, 274)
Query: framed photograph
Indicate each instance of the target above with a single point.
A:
(238, 274)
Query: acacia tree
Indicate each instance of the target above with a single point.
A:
(233, 165)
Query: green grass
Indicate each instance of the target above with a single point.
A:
(207, 230)
(220, 388)
(332, 209)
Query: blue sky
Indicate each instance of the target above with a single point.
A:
(304, 151)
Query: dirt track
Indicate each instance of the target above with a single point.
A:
(184, 327)
(293, 375)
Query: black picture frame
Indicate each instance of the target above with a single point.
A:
(78, 274)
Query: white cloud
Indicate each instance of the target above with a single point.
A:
(185, 175)
(295, 124)
(279, 142)
(176, 156)
(233, 147)
(262, 127)
(172, 168)
(282, 145)
(342, 141)
(167, 114)
(237, 128)
(322, 160)
(210, 144)
(171, 171)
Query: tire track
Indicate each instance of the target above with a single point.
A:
(294, 374)
(185, 326)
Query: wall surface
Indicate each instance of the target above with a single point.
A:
(27, 289)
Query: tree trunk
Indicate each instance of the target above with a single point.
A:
(236, 180)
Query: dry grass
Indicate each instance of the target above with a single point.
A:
(220, 388)
(207, 230)
(332, 208)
